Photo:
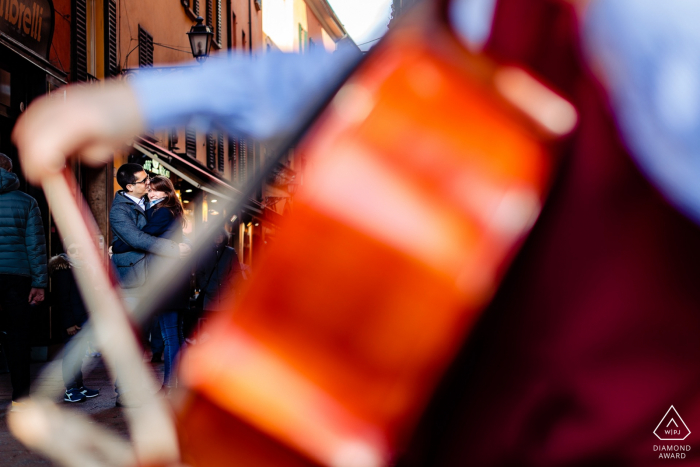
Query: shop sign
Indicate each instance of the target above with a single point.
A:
(155, 167)
(29, 22)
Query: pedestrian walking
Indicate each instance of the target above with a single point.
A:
(23, 274)
(69, 307)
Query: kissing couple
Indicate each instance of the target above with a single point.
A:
(147, 221)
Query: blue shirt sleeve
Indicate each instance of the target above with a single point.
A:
(258, 96)
(648, 55)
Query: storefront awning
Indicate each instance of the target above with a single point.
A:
(199, 177)
(33, 58)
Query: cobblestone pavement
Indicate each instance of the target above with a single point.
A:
(101, 409)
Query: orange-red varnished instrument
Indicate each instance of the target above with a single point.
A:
(423, 175)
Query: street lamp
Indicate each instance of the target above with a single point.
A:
(200, 40)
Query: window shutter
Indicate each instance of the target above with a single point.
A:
(211, 151)
(218, 23)
(303, 39)
(231, 36)
(220, 150)
(233, 158)
(210, 13)
(191, 142)
(243, 172)
(79, 40)
(111, 61)
(145, 48)
(257, 166)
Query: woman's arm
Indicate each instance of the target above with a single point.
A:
(161, 223)
(158, 222)
(125, 228)
(158, 226)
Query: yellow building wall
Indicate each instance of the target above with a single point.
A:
(252, 28)
(165, 20)
(281, 21)
(300, 19)
(327, 41)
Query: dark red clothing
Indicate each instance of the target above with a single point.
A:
(595, 332)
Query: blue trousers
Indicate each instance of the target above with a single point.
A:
(157, 344)
(171, 330)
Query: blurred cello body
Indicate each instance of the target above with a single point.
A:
(424, 174)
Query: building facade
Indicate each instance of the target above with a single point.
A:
(153, 35)
(295, 26)
(34, 62)
(299, 25)
(398, 8)
(46, 44)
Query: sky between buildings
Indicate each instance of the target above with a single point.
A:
(364, 20)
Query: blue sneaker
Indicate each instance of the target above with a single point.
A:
(89, 393)
(74, 395)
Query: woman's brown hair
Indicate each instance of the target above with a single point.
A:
(171, 201)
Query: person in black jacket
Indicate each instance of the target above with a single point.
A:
(164, 217)
(218, 275)
(69, 306)
(23, 275)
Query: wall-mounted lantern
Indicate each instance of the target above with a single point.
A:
(200, 40)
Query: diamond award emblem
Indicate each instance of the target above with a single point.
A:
(672, 427)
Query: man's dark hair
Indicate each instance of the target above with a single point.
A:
(126, 175)
(5, 162)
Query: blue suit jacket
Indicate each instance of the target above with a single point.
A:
(127, 219)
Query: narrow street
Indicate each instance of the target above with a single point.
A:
(101, 408)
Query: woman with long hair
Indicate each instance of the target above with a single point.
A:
(165, 219)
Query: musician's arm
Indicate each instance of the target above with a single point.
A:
(260, 96)
(646, 54)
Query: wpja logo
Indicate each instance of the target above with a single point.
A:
(671, 428)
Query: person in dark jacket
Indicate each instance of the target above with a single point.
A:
(23, 274)
(218, 274)
(68, 305)
(164, 220)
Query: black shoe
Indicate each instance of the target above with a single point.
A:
(74, 395)
(157, 357)
(89, 393)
